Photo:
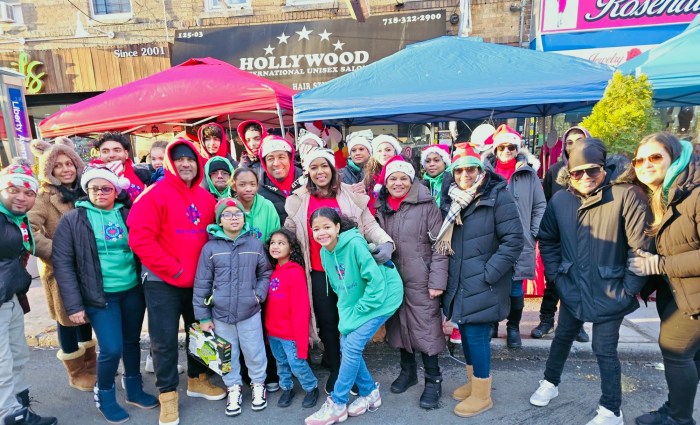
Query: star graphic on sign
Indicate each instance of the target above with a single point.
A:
(283, 38)
(304, 33)
(269, 49)
(325, 35)
(338, 45)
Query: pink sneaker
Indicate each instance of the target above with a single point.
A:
(364, 404)
(456, 337)
(329, 414)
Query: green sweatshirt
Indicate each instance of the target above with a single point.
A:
(210, 186)
(366, 290)
(116, 258)
(262, 218)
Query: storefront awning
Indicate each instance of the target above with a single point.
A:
(195, 89)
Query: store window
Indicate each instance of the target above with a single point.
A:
(310, 4)
(224, 5)
(111, 8)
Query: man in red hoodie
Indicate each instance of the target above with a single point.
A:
(167, 232)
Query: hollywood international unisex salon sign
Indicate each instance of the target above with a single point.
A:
(303, 55)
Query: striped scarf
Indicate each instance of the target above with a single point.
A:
(460, 200)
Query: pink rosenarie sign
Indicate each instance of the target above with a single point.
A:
(590, 15)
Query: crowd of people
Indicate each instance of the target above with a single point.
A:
(282, 251)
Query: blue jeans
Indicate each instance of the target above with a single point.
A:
(288, 363)
(604, 344)
(353, 369)
(118, 330)
(477, 347)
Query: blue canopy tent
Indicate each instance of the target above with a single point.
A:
(451, 78)
(673, 68)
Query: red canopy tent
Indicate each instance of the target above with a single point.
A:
(196, 89)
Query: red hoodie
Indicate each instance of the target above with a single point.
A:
(168, 223)
(241, 133)
(223, 147)
(287, 309)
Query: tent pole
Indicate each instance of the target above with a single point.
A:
(279, 115)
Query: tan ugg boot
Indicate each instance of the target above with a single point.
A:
(465, 390)
(78, 377)
(169, 414)
(90, 356)
(480, 400)
(201, 387)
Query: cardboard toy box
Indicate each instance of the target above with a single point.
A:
(213, 351)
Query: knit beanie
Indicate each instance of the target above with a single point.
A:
(274, 143)
(362, 138)
(385, 138)
(398, 164)
(217, 165)
(318, 153)
(18, 174)
(225, 203)
(182, 150)
(465, 156)
(590, 151)
(96, 169)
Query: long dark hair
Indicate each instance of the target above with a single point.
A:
(657, 203)
(295, 253)
(333, 187)
(346, 223)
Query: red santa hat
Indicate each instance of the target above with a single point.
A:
(505, 135)
(482, 137)
(399, 164)
(385, 138)
(442, 150)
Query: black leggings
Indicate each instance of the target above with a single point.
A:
(430, 363)
(325, 303)
(679, 340)
(70, 336)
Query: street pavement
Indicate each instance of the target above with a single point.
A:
(516, 374)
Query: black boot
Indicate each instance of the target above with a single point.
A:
(517, 304)
(407, 378)
(545, 327)
(31, 417)
(430, 399)
(494, 330)
(582, 335)
(656, 417)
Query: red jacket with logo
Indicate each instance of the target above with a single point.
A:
(287, 308)
(168, 223)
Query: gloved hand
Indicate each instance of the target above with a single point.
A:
(382, 253)
(644, 263)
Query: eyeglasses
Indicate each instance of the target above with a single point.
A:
(105, 190)
(511, 148)
(654, 158)
(592, 172)
(231, 215)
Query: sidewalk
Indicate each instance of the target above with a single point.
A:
(638, 335)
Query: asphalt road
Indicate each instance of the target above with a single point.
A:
(516, 376)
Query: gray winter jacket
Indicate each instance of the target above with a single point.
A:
(235, 274)
(527, 191)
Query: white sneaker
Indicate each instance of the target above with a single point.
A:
(259, 396)
(150, 369)
(363, 404)
(544, 394)
(329, 414)
(233, 403)
(606, 417)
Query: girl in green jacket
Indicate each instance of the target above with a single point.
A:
(368, 294)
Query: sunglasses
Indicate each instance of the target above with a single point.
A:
(511, 148)
(592, 172)
(469, 170)
(654, 158)
(106, 190)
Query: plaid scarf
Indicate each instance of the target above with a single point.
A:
(460, 200)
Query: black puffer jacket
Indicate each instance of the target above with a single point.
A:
(678, 240)
(14, 278)
(236, 274)
(584, 243)
(485, 248)
(76, 263)
(270, 192)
